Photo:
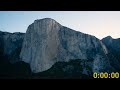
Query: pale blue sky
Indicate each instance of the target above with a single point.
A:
(97, 23)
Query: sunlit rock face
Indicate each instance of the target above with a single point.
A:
(40, 46)
(47, 42)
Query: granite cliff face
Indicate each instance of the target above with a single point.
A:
(112, 43)
(11, 44)
(55, 51)
(47, 42)
(113, 46)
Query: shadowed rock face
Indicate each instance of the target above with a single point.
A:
(11, 44)
(113, 46)
(112, 43)
(47, 42)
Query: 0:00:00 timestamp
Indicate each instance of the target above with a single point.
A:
(106, 75)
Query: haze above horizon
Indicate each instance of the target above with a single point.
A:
(97, 23)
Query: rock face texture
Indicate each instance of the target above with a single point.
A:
(47, 42)
(11, 44)
(113, 46)
(112, 43)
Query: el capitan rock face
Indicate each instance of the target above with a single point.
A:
(47, 42)
(40, 46)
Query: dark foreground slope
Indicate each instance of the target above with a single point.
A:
(60, 70)
(16, 70)
(65, 70)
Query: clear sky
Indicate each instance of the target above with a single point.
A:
(97, 23)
